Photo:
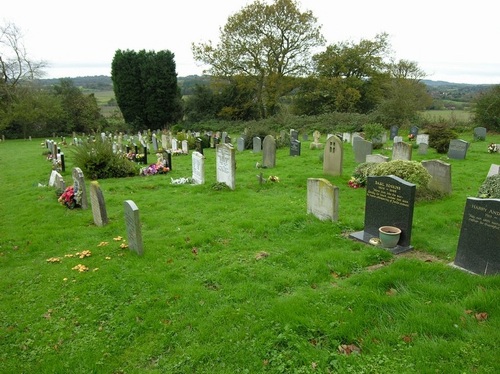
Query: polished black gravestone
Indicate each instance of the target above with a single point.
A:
(479, 242)
(389, 202)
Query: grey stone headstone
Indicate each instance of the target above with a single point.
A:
(226, 164)
(241, 144)
(155, 143)
(295, 147)
(98, 205)
(305, 137)
(185, 148)
(322, 199)
(79, 185)
(458, 149)
(480, 133)
(333, 156)
(269, 152)
(423, 138)
(133, 226)
(198, 161)
(389, 202)
(441, 175)
(478, 248)
(402, 151)
(346, 137)
(361, 148)
(377, 159)
(494, 170)
(423, 148)
(257, 144)
(398, 139)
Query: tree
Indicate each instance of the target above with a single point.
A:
(487, 109)
(266, 44)
(146, 90)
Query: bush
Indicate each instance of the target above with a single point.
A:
(97, 161)
(410, 171)
(490, 189)
(361, 173)
(440, 135)
(374, 132)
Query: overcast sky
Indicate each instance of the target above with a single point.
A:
(450, 40)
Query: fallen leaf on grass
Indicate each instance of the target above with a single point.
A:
(261, 255)
(117, 239)
(194, 251)
(81, 268)
(123, 245)
(54, 260)
(481, 316)
(102, 244)
(108, 258)
(348, 349)
(83, 254)
(391, 292)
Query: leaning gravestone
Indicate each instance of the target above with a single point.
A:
(458, 149)
(362, 148)
(333, 156)
(226, 164)
(441, 175)
(479, 242)
(401, 151)
(480, 133)
(269, 152)
(389, 202)
(133, 226)
(79, 187)
(322, 199)
(98, 204)
(198, 161)
(295, 147)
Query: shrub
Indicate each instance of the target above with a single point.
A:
(410, 171)
(374, 132)
(440, 135)
(361, 173)
(490, 189)
(97, 161)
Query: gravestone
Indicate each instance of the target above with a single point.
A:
(175, 146)
(98, 204)
(333, 156)
(79, 187)
(241, 144)
(423, 138)
(295, 147)
(305, 137)
(494, 170)
(133, 226)
(377, 158)
(322, 199)
(479, 241)
(315, 143)
(423, 148)
(441, 175)
(155, 143)
(294, 135)
(458, 149)
(361, 148)
(389, 202)
(167, 159)
(257, 144)
(346, 137)
(185, 147)
(164, 141)
(397, 139)
(393, 132)
(480, 133)
(402, 151)
(226, 164)
(198, 161)
(414, 131)
(269, 152)
(56, 180)
(199, 145)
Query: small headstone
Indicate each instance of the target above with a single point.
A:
(175, 147)
(164, 141)
(98, 204)
(377, 158)
(479, 242)
(441, 175)
(185, 148)
(199, 145)
(305, 137)
(346, 137)
(198, 161)
(397, 139)
(322, 199)
(393, 132)
(423, 138)
(133, 226)
(257, 144)
(295, 147)
(389, 202)
(494, 170)
(480, 133)
(402, 151)
(333, 156)
(414, 131)
(423, 148)
(226, 164)
(316, 144)
(458, 149)
(241, 144)
(294, 135)
(79, 187)
(361, 148)
(155, 143)
(269, 152)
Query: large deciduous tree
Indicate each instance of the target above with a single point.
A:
(146, 90)
(487, 110)
(264, 46)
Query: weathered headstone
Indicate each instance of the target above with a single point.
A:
(98, 205)
(479, 242)
(257, 144)
(322, 199)
(377, 158)
(133, 226)
(389, 202)
(361, 148)
(414, 131)
(397, 139)
(401, 151)
(56, 180)
(198, 161)
(458, 149)
(79, 187)
(241, 144)
(494, 170)
(185, 147)
(393, 132)
(333, 156)
(305, 137)
(164, 141)
(423, 138)
(269, 152)
(175, 146)
(480, 133)
(346, 137)
(423, 148)
(295, 147)
(294, 135)
(315, 143)
(155, 143)
(441, 175)
(226, 164)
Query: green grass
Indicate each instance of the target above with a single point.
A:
(201, 300)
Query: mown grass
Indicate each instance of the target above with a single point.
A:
(239, 281)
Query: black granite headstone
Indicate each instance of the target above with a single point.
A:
(199, 145)
(479, 242)
(414, 131)
(389, 202)
(295, 148)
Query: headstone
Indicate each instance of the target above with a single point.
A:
(401, 151)
(393, 132)
(333, 156)
(458, 149)
(494, 170)
(164, 141)
(398, 139)
(441, 175)
(479, 241)
(199, 145)
(56, 180)
(295, 147)
(98, 204)
(346, 137)
(305, 137)
(198, 161)
(414, 131)
(322, 199)
(155, 143)
(79, 187)
(377, 158)
(361, 148)
(257, 144)
(226, 164)
(294, 135)
(133, 226)
(269, 152)
(389, 202)
(316, 144)
(480, 133)
(241, 144)
(175, 147)
(423, 138)
(423, 148)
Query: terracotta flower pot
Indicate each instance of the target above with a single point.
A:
(389, 236)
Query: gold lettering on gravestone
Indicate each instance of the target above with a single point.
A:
(388, 192)
(484, 216)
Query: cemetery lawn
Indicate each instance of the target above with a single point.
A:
(236, 281)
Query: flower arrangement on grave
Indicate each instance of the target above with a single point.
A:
(273, 178)
(130, 156)
(411, 137)
(69, 198)
(355, 183)
(139, 157)
(177, 152)
(360, 174)
(153, 169)
(492, 148)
